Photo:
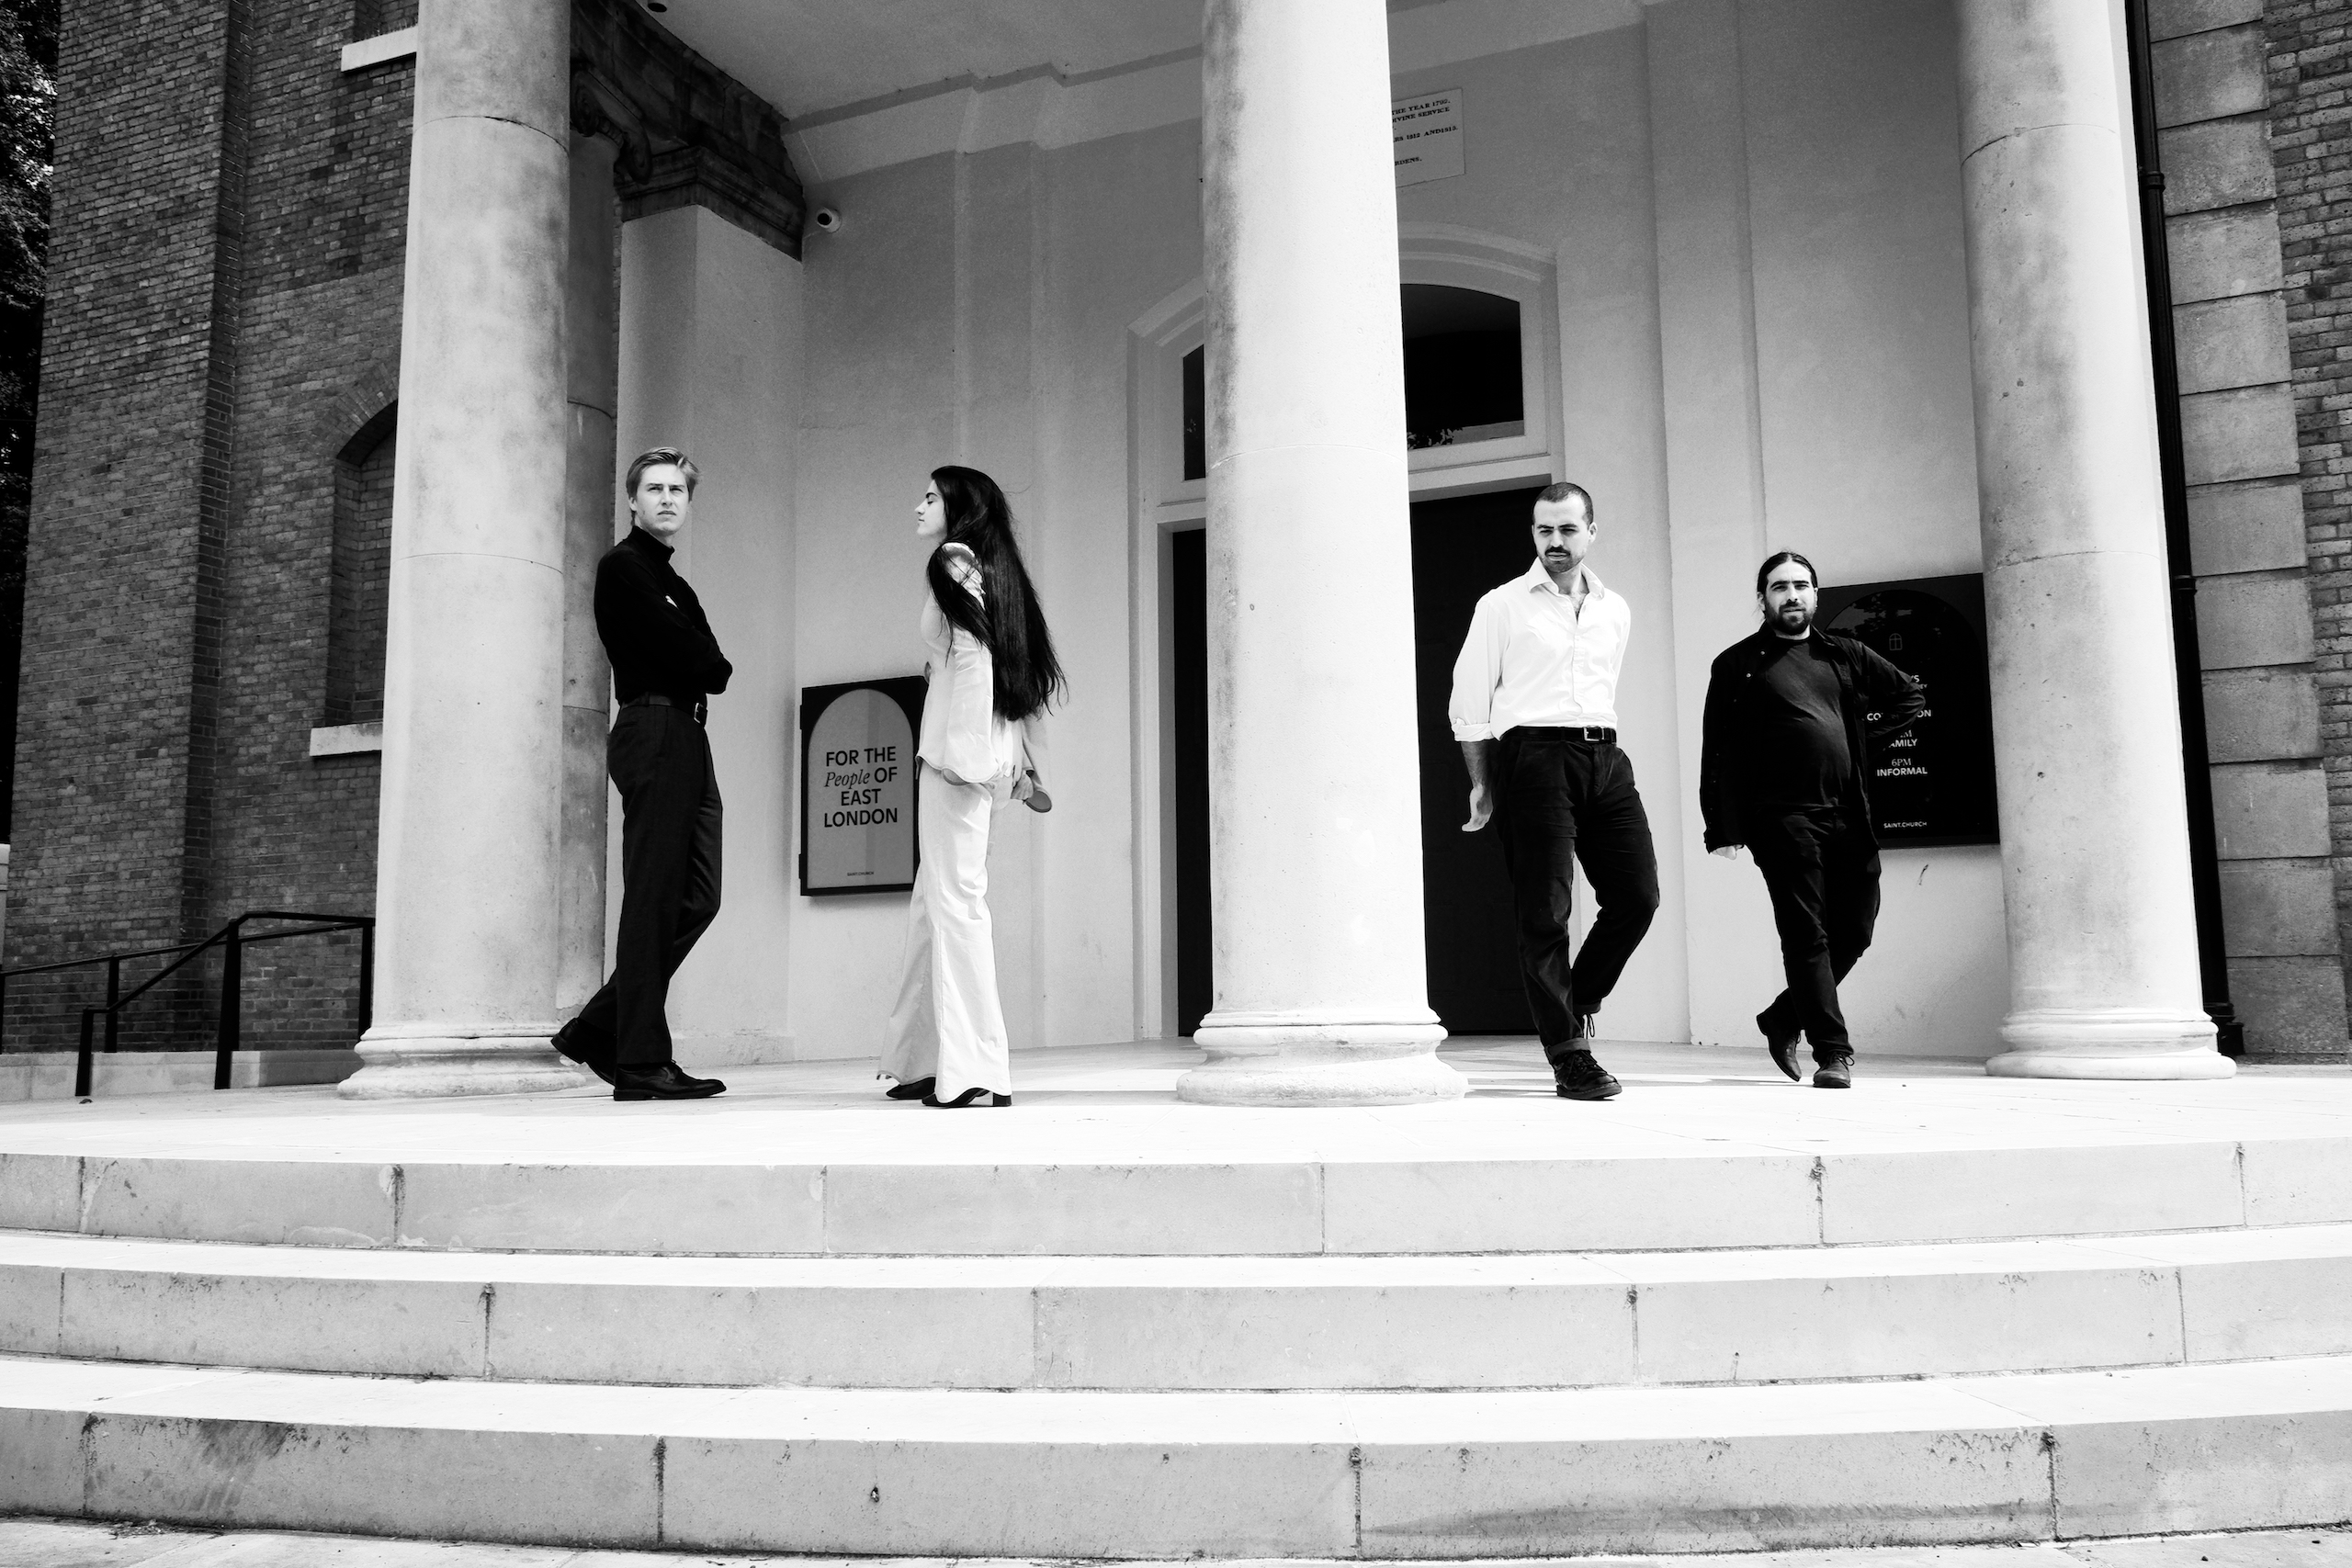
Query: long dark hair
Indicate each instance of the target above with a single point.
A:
(1009, 623)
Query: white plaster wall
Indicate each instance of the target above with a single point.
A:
(1808, 183)
(710, 360)
(973, 309)
(1754, 216)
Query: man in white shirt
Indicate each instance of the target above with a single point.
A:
(1535, 709)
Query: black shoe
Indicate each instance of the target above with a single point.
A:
(919, 1089)
(1834, 1072)
(664, 1082)
(569, 1045)
(969, 1098)
(1783, 1047)
(1581, 1077)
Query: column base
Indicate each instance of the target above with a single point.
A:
(1282, 1059)
(2109, 1043)
(411, 1064)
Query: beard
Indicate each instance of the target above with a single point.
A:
(1791, 618)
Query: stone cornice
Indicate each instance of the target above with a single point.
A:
(690, 135)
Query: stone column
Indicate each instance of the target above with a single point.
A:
(1314, 769)
(2094, 828)
(592, 331)
(467, 892)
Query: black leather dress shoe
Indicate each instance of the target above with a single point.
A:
(1837, 1072)
(664, 1082)
(970, 1097)
(1579, 1077)
(919, 1089)
(1783, 1047)
(572, 1048)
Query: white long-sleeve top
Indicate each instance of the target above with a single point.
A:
(1532, 658)
(962, 732)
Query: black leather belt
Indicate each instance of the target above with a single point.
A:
(1591, 733)
(697, 710)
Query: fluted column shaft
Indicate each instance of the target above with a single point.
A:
(1314, 772)
(2094, 829)
(468, 889)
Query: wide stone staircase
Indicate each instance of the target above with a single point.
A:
(1230, 1355)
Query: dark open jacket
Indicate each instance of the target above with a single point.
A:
(1867, 684)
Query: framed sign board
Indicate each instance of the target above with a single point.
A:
(857, 786)
(1932, 784)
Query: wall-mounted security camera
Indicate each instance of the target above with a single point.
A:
(828, 219)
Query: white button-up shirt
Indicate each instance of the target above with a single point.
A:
(1532, 658)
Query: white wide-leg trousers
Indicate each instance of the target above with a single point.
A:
(949, 1023)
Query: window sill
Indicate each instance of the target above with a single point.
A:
(347, 739)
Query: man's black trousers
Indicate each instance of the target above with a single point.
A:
(659, 760)
(1822, 871)
(1560, 802)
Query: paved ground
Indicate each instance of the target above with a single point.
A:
(56, 1543)
(1114, 1104)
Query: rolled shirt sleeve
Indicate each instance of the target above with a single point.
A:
(1477, 672)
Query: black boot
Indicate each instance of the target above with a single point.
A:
(919, 1089)
(1784, 1046)
(1834, 1072)
(1579, 1077)
(663, 1081)
(569, 1044)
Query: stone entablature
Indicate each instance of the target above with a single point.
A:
(689, 134)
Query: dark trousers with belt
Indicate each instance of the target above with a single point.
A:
(1563, 801)
(1821, 868)
(659, 760)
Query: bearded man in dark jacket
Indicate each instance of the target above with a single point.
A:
(1784, 772)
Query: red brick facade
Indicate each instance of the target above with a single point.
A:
(222, 348)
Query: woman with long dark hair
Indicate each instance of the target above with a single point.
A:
(991, 674)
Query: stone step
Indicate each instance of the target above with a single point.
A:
(1524, 1321)
(2014, 1457)
(1259, 1199)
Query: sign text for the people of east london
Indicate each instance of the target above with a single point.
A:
(857, 786)
(1426, 132)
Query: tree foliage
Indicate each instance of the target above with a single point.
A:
(28, 148)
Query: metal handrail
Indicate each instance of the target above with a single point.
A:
(232, 942)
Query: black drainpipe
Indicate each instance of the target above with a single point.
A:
(2204, 857)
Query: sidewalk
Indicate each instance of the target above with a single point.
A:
(58, 1544)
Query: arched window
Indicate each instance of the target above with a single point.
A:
(1462, 380)
(360, 587)
(1461, 369)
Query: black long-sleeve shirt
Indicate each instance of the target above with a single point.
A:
(653, 626)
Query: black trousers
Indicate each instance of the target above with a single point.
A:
(660, 760)
(1822, 871)
(1560, 803)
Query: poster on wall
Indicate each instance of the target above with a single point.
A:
(1934, 783)
(1427, 134)
(857, 786)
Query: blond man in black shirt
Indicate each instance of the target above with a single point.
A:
(666, 664)
(1784, 772)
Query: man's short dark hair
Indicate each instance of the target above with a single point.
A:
(1563, 490)
(654, 460)
(1781, 559)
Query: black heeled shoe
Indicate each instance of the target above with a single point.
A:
(969, 1098)
(919, 1089)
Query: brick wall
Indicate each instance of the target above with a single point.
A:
(2310, 112)
(225, 323)
(2239, 450)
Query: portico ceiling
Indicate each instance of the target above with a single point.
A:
(807, 57)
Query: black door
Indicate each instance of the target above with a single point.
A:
(1189, 695)
(1461, 549)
